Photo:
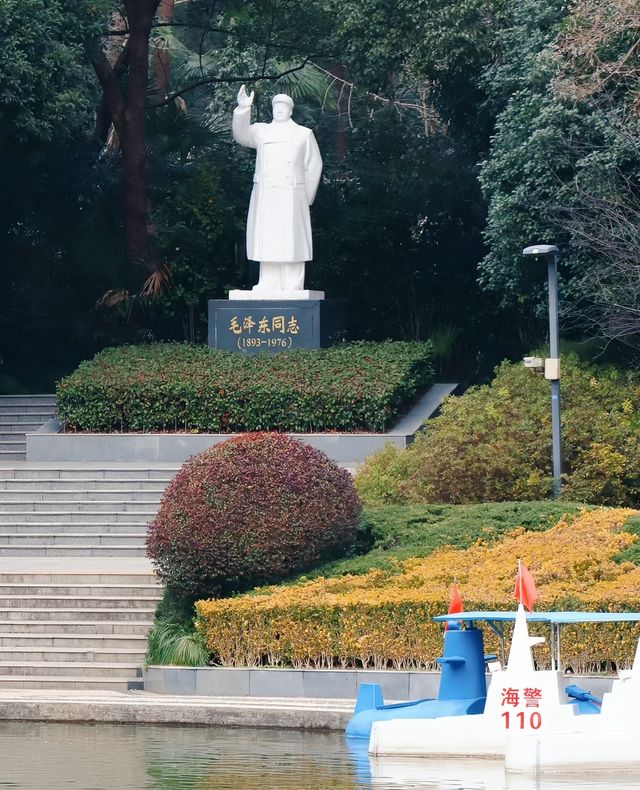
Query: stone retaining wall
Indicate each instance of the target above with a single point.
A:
(310, 683)
(50, 443)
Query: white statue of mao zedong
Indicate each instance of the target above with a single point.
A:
(287, 174)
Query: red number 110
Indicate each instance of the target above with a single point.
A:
(535, 719)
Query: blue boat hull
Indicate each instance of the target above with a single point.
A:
(361, 723)
(463, 688)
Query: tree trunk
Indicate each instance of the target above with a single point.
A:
(140, 14)
(117, 57)
(162, 57)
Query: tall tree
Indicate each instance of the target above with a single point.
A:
(405, 200)
(565, 160)
(127, 111)
(49, 215)
(598, 54)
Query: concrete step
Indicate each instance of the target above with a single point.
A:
(33, 414)
(79, 590)
(74, 521)
(75, 517)
(38, 397)
(72, 615)
(152, 486)
(11, 431)
(84, 579)
(137, 539)
(38, 411)
(88, 669)
(75, 630)
(25, 420)
(104, 495)
(145, 504)
(34, 410)
(8, 434)
(13, 446)
(82, 472)
(60, 525)
(78, 602)
(73, 641)
(72, 551)
(12, 455)
(9, 409)
(36, 528)
(99, 627)
(68, 682)
(46, 655)
(71, 539)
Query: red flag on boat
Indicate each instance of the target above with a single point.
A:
(525, 590)
(455, 606)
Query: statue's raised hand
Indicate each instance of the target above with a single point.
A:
(243, 99)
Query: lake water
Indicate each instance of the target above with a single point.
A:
(47, 756)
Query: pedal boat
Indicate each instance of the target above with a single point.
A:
(521, 700)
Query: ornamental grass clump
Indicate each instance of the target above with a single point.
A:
(252, 510)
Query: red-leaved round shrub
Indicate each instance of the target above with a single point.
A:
(252, 510)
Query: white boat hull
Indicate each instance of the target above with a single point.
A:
(451, 736)
(574, 753)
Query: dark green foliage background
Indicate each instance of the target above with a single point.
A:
(447, 149)
(59, 248)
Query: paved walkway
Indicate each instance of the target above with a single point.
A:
(144, 707)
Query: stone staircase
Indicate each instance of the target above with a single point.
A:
(77, 596)
(20, 414)
(76, 511)
(73, 632)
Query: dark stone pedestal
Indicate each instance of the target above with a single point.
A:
(269, 326)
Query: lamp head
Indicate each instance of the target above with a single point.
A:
(541, 250)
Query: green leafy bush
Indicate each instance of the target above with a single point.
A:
(255, 509)
(494, 443)
(379, 481)
(176, 387)
(399, 532)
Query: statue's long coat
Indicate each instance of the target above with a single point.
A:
(287, 174)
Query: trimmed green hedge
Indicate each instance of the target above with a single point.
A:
(179, 387)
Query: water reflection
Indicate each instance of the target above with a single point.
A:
(46, 756)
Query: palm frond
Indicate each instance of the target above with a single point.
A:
(156, 283)
(307, 84)
(113, 298)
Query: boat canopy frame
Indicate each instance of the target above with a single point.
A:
(496, 620)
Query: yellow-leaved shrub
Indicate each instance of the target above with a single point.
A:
(383, 618)
(493, 444)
